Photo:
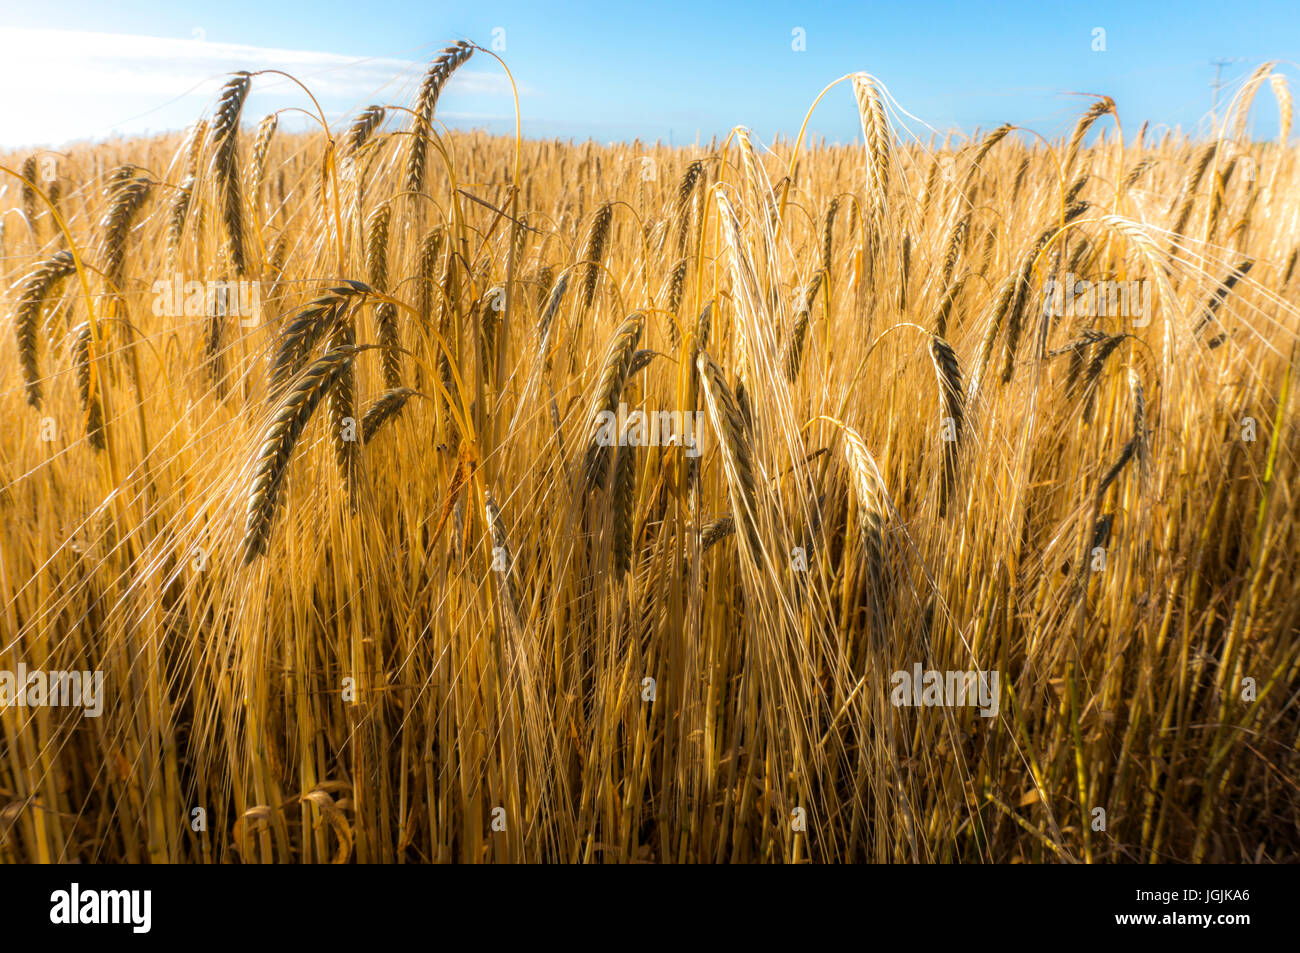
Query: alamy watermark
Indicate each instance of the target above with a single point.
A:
(24, 688)
(664, 428)
(1079, 297)
(177, 298)
(931, 688)
(78, 906)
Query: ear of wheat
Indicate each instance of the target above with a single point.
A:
(1103, 350)
(312, 324)
(609, 389)
(623, 503)
(1188, 192)
(342, 405)
(794, 346)
(177, 213)
(427, 274)
(716, 531)
(1023, 292)
(873, 509)
(503, 563)
(225, 167)
(547, 319)
(278, 440)
(672, 293)
(951, 413)
(1001, 304)
(387, 406)
(30, 209)
(880, 143)
(35, 289)
(126, 193)
(1098, 109)
(1139, 169)
(440, 70)
(88, 385)
(592, 255)
(377, 275)
(363, 127)
(942, 311)
(1220, 295)
(682, 208)
(261, 147)
(737, 456)
(828, 234)
(213, 347)
(981, 152)
(952, 251)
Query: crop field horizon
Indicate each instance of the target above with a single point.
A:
(389, 494)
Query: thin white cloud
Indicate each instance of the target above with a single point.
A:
(63, 85)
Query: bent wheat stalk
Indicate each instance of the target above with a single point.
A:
(447, 62)
(35, 288)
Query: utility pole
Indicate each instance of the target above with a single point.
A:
(1218, 65)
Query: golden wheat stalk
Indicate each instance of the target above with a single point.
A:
(737, 455)
(312, 324)
(447, 62)
(126, 193)
(278, 440)
(377, 228)
(88, 386)
(592, 255)
(261, 148)
(623, 504)
(363, 127)
(880, 143)
(1094, 112)
(30, 208)
(951, 414)
(609, 389)
(35, 288)
(225, 166)
(387, 406)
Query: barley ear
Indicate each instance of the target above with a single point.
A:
(88, 385)
(737, 456)
(951, 414)
(623, 502)
(440, 70)
(609, 389)
(35, 289)
(278, 440)
(225, 167)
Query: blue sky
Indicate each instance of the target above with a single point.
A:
(615, 71)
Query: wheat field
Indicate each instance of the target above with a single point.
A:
(379, 564)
